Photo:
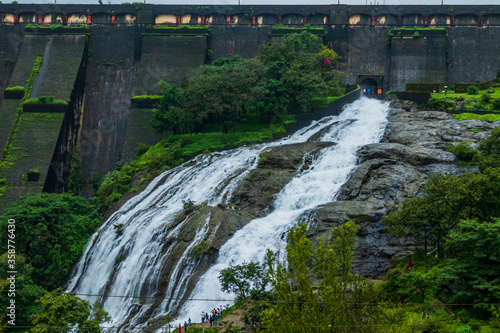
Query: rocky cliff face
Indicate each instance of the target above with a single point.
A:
(391, 171)
(388, 173)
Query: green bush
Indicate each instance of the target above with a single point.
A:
(9, 62)
(188, 206)
(141, 149)
(485, 98)
(480, 106)
(438, 104)
(45, 100)
(472, 90)
(463, 151)
(113, 185)
(416, 34)
(496, 104)
(199, 250)
(464, 329)
(16, 88)
(147, 97)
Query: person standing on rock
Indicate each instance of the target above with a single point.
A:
(180, 328)
(202, 317)
(211, 320)
(216, 318)
(185, 327)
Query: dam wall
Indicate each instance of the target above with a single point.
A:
(98, 57)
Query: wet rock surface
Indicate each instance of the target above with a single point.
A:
(277, 166)
(391, 171)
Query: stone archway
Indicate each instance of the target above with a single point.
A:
(371, 85)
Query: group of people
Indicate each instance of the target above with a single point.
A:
(212, 316)
(186, 324)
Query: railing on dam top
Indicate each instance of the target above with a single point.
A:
(319, 15)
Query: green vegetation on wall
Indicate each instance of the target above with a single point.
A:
(305, 27)
(55, 26)
(45, 100)
(153, 97)
(16, 88)
(180, 27)
(6, 161)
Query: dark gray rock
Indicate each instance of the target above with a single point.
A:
(277, 166)
(390, 172)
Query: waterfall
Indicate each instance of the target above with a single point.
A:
(126, 255)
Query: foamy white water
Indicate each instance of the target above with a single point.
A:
(129, 264)
(316, 186)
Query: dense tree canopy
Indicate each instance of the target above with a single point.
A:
(473, 275)
(490, 150)
(243, 280)
(51, 233)
(62, 312)
(315, 291)
(447, 200)
(280, 79)
(26, 290)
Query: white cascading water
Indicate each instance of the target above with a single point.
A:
(316, 186)
(128, 263)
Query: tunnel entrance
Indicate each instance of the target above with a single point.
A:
(370, 88)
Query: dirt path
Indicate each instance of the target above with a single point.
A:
(234, 320)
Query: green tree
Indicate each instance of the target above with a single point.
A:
(473, 275)
(61, 313)
(243, 280)
(446, 200)
(26, 291)
(472, 90)
(308, 73)
(51, 233)
(170, 116)
(411, 288)
(281, 78)
(489, 149)
(315, 291)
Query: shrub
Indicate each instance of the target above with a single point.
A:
(480, 106)
(199, 250)
(472, 90)
(141, 149)
(464, 329)
(463, 151)
(188, 206)
(496, 104)
(486, 98)
(16, 88)
(45, 100)
(8, 62)
(439, 104)
(416, 34)
(113, 185)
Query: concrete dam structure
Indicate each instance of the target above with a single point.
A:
(100, 56)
